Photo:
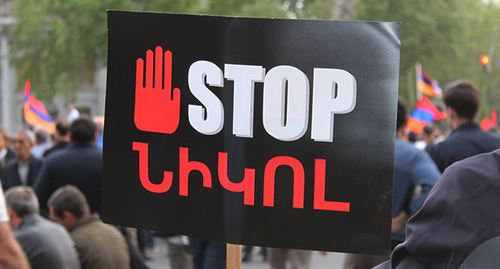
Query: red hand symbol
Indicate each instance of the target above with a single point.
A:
(155, 109)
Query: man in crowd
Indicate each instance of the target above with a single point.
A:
(80, 164)
(412, 168)
(73, 113)
(99, 245)
(47, 244)
(23, 169)
(459, 224)
(61, 137)
(42, 143)
(11, 253)
(467, 139)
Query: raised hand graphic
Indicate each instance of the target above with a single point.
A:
(157, 107)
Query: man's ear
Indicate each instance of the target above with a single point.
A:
(451, 112)
(11, 212)
(67, 216)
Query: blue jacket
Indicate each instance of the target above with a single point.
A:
(412, 167)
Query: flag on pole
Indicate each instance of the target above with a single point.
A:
(35, 112)
(427, 85)
(425, 112)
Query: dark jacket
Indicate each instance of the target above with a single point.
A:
(465, 141)
(10, 176)
(79, 165)
(59, 145)
(459, 224)
(47, 244)
(8, 156)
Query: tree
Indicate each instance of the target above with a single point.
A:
(59, 43)
(446, 36)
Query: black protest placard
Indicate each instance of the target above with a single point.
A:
(263, 132)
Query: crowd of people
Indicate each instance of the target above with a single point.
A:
(444, 210)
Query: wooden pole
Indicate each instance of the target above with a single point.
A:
(233, 259)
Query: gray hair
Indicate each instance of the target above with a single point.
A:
(22, 200)
(30, 136)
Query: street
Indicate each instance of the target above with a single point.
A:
(332, 260)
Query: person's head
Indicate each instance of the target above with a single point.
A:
(62, 130)
(41, 135)
(71, 106)
(82, 130)
(23, 141)
(4, 139)
(67, 205)
(21, 201)
(402, 116)
(462, 102)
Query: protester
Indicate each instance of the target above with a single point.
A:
(430, 135)
(99, 245)
(42, 143)
(298, 259)
(12, 255)
(459, 223)
(207, 254)
(23, 169)
(47, 244)
(61, 137)
(467, 139)
(413, 168)
(178, 252)
(99, 123)
(6, 153)
(73, 113)
(247, 253)
(79, 164)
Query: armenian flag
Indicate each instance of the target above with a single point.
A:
(35, 112)
(425, 112)
(427, 85)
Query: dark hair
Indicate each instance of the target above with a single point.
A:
(22, 200)
(463, 97)
(82, 130)
(428, 129)
(62, 127)
(69, 198)
(401, 120)
(41, 135)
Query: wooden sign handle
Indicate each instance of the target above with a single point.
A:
(233, 259)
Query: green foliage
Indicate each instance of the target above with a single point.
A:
(59, 43)
(446, 36)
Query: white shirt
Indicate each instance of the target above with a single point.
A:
(73, 115)
(4, 217)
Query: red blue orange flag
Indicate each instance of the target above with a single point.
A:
(35, 112)
(425, 112)
(427, 85)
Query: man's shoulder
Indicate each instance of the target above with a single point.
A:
(482, 166)
(11, 163)
(94, 230)
(410, 153)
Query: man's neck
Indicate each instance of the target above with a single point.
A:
(24, 159)
(459, 121)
